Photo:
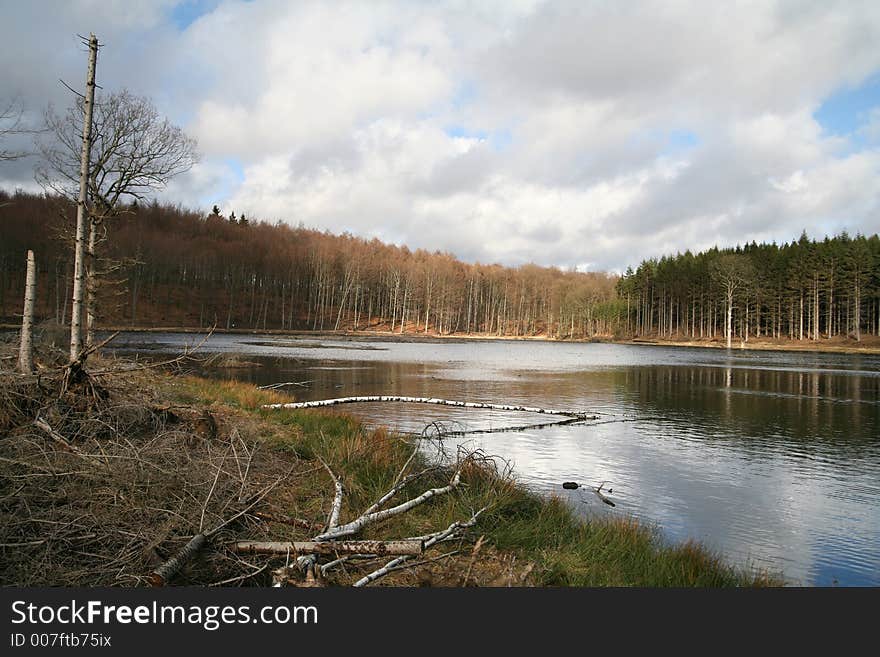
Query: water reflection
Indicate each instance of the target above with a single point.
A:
(773, 459)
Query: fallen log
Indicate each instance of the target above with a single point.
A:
(307, 563)
(293, 548)
(426, 400)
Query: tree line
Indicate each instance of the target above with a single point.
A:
(176, 267)
(802, 290)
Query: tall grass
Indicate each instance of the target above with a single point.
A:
(565, 550)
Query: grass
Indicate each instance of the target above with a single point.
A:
(526, 537)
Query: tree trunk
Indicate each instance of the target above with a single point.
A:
(729, 317)
(91, 284)
(25, 353)
(79, 253)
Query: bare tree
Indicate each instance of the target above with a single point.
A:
(134, 152)
(11, 123)
(732, 273)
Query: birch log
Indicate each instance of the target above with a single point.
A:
(358, 524)
(293, 548)
(26, 349)
(433, 540)
(426, 400)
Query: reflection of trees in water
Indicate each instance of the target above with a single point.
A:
(787, 406)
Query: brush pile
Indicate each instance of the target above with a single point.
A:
(103, 483)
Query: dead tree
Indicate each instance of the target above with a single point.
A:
(25, 352)
(81, 210)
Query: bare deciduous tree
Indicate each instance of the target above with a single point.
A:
(732, 273)
(134, 152)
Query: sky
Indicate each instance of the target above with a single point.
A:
(586, 135)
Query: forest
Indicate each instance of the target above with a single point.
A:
(802, 290)
(165, 266)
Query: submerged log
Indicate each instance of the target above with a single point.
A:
(427, 400)
(293, 548)
(573, 485)
(598, 492)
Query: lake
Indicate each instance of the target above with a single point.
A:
(770, 458)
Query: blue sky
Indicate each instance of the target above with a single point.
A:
(183, 14)
(849, 109)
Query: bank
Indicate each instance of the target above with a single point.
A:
(126, 465)
(524, 538)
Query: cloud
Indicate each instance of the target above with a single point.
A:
(589, 132)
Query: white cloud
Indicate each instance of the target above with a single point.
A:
(542, 131)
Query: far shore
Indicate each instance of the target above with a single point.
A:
(869, 344)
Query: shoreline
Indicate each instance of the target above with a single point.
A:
(838, 345)
(177, 422)
(870, 345)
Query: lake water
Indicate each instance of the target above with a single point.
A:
(770, 458)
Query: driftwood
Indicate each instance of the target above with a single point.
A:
(428, 400)
(598, 492)
(443, 432)
(276, 386)
(294, 548)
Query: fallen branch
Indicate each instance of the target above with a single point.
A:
(598, 492)
(336, 507)
(294, 548)
(436, 538)
(443, 433)
(365, 519)
(163, 574)
(307, 563)
(426, 400)
(56, 437)
(288, 520)
(573, 485)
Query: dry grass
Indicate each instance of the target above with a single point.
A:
(159, 458)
